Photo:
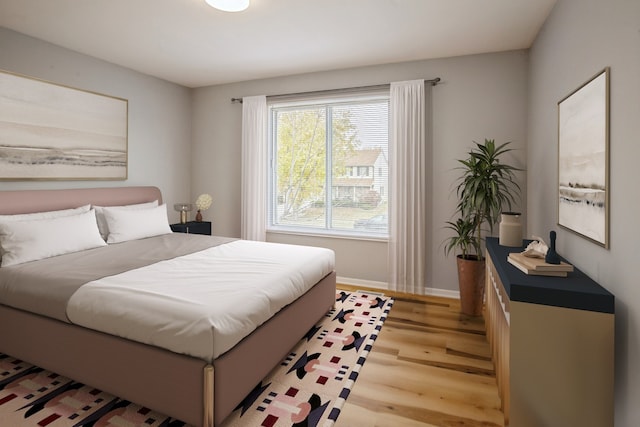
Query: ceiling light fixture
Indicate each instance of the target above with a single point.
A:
(229, 5)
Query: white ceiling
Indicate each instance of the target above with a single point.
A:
(189, 43)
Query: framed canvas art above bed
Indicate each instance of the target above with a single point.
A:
(583, 160)
(54, 132)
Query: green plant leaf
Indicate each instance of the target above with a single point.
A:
(486, 186)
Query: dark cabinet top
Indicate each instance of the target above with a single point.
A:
(192, 227)
(576, 291)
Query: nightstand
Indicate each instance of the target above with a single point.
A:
(193, 227)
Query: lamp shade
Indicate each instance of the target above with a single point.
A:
(229, 5)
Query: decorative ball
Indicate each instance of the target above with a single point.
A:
(203, 202)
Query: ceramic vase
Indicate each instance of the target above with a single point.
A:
(510, 229)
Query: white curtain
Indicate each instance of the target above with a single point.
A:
(408, 183)
(254, 165)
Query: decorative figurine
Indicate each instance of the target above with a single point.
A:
(536, 249)
(552, 256)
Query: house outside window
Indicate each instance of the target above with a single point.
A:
(323, 157)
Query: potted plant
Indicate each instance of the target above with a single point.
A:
(484, 188)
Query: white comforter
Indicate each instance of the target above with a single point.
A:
(204, 303)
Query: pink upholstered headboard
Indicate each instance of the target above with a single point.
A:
(28, 201)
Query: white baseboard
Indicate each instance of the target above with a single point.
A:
(359, 282)
(446, 293)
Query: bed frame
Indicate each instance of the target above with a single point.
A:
(183, 387)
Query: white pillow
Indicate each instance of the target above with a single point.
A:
(42, 215)
(45, 215)
(102, 223)
(24, 241)
(131, 224)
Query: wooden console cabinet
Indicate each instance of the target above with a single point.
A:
(552, 341)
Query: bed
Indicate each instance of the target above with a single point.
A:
(194, 389)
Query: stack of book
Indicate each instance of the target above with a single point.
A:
(538, 267)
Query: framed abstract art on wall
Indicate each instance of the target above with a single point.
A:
(54, 132)
(583, 160)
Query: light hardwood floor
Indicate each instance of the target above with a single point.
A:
(430, 366)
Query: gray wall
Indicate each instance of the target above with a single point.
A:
(480, 96)
(159, 114)
(579, 39)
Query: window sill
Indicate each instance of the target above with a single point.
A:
(329, 235)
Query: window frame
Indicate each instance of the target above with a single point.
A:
(327, 230)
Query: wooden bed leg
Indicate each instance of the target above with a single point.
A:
(207, 420)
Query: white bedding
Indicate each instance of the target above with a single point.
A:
(204, 303)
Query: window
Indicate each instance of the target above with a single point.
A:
(323, 154)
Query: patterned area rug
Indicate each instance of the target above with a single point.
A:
(308, 388)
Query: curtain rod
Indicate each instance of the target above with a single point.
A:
(332, 91)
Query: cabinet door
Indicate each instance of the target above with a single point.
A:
(561, 364)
